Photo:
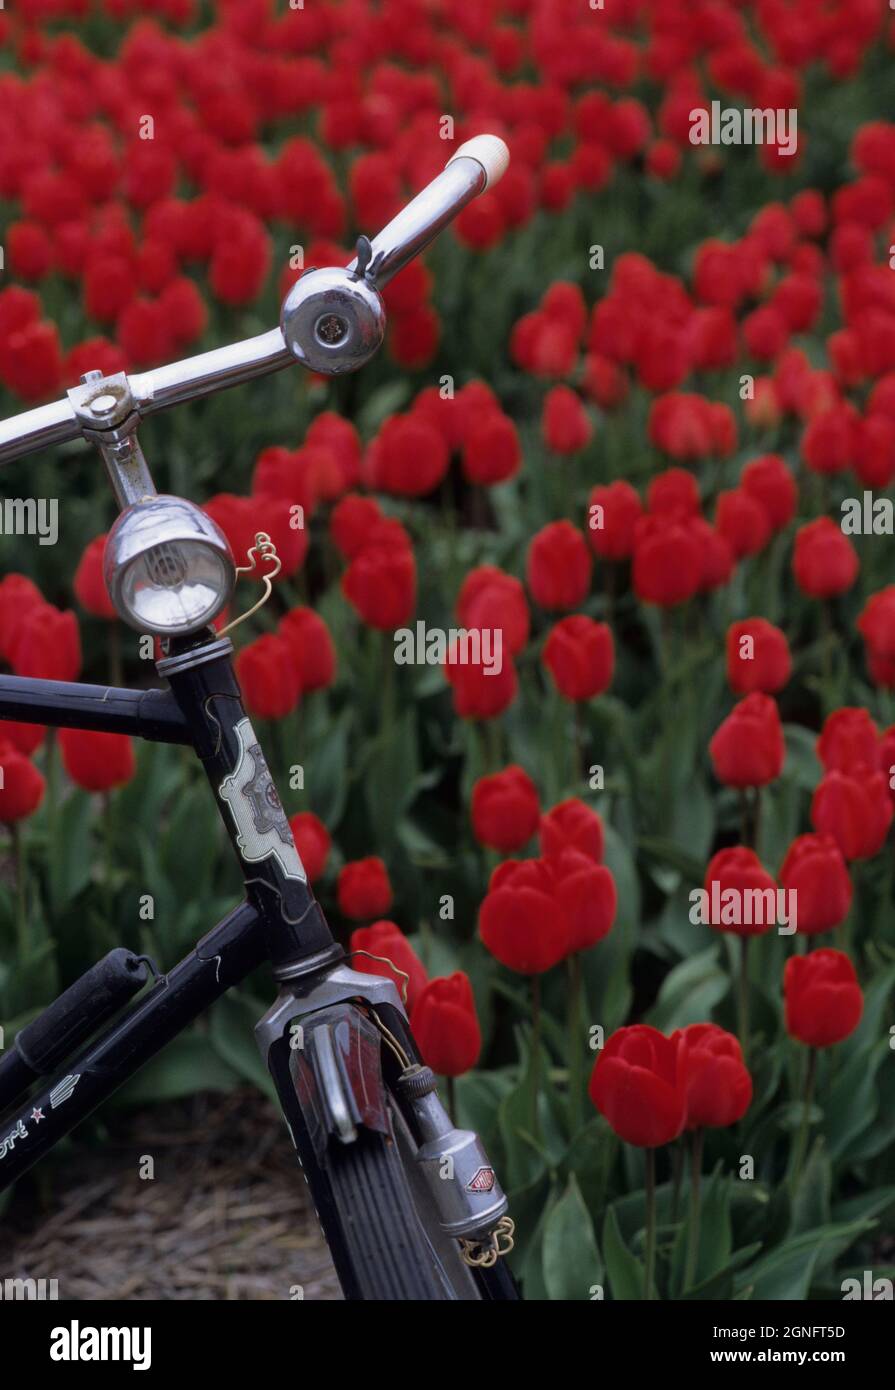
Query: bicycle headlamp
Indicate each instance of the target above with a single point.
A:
(168, 567)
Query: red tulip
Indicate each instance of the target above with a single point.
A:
(876, 623)
(414, 337)
(480, 692)
(765, 332)
(89, 584)
(587, 897)
(380, 582)
(612, 516)
(268, 677)
(815, 870)
(747, 749)
(875, 461)
(849, 737)
(278, 518)
(97, 761)
(312, 842)
(338, 437)
(491, 451)
(565, 425)
(757, 657)
(521, 921)
(603, 381)
(408, 457)
(674, 491)
(18, 595)
(353, 522)
(47, 645)
(236, 518)
(505, 809)
(830, 441)
(719, 1087)
(30, 250)
(363, 889)
(240, 262)
(279, 472)
(717, 560)
(25, 737)
(143, 332)
(558, 566)
(823, 999)
(32, 361)
(771, 484)
(307, 637)
(580, 655)
(885, 755)
(738, 872)
(855, 808)
(489, 598)
(687, 426)
(563, 302)
(668, 561)
(21, 785)
(825, 562)
(445, 1025)
(639, 1083)
(572, 824)
(742, 522)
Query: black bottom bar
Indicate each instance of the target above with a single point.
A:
(232, 950)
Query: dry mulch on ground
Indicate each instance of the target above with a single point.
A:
(226, 1216)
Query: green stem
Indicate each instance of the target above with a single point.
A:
(609, 573)
(386, 675)
(51, 765)
(109, 867)
(798, 1156)
(696, 1144)
(576, 1053)
(452, 1098)
(827, 639)
(535, 1052)
(743, 998)
(493, 745)
(18, 844)
(579, 767)
(665, 637)
(279, 746)
(116, 675)
(847, 943)
(677, 1171)
(650, 1263)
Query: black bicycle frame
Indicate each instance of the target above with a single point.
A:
(279, 922)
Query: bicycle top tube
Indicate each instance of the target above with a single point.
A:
(477, 165)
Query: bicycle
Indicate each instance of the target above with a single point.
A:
(410, 1206)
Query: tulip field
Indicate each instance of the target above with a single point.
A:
(629, 853)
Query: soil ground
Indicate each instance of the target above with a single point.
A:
(226, 1216)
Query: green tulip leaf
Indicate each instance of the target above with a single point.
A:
(572, 1263)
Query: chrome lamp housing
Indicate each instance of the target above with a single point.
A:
(168, 567)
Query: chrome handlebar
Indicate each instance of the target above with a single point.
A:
(332, 320)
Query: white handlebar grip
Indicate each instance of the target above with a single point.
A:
(490, 151)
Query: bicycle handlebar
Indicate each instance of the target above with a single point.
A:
(477, 165)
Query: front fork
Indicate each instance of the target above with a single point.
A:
(336, 1046)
